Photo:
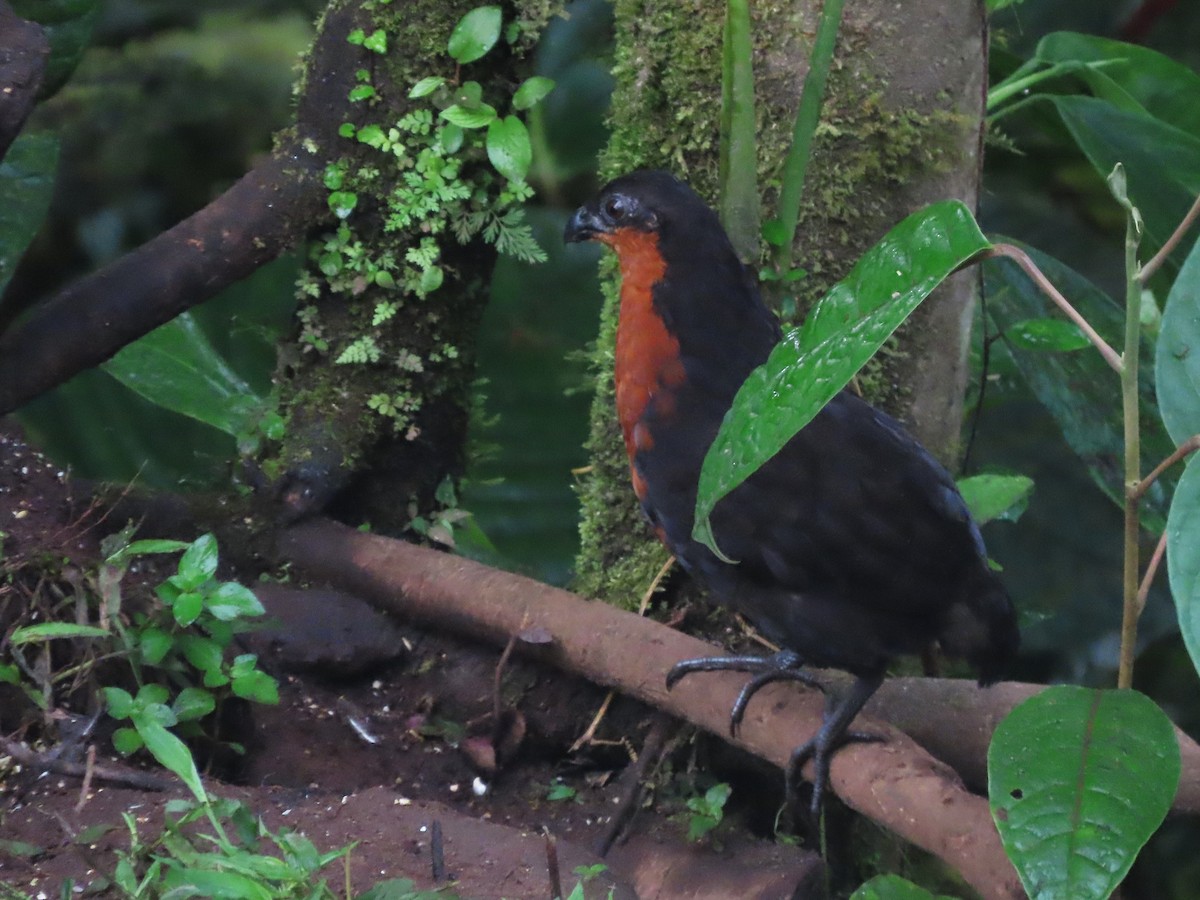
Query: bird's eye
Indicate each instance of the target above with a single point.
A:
(615, 208)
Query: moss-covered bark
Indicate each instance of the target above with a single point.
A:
(899, 129)
(375, 407)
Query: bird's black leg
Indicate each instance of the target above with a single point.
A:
(832, 735)
(781, 666)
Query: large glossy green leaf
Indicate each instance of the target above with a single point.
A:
(1157, 84)
(1079, 389)
(176, 367)
(844, 330)
(1183, 556)
(26, 186)
(1162, 162)
(1078, 780)
(1177, 356)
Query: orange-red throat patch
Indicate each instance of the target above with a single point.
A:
(647, 354)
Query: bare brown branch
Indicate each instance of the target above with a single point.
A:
(895, 782)
(89, 321)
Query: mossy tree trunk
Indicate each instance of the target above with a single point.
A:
(376, 382)
(900, 128)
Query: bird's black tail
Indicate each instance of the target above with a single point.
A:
(982, 627)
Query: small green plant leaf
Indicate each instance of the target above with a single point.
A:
(892, 887)
(844, 330)
(450, 137)
(48, 631)
(361, 92)
(342, 203)
(193, 703)
(426, 86)
(155, 644)
(532, 91)
(475, 34)
(1050, 335)
(9, 674)
(991, 497)
(126, 741)
(118, 702)
(187, 607)
(1078, 780)
(376, 41)
(202, 652)
(198, 563)
(257, 686)
(477, 117)
(508, 147)
(171, 753)
(232, 601)
(559, 791)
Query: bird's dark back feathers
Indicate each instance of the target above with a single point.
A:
(853, 544)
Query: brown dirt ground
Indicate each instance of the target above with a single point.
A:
(378, 736)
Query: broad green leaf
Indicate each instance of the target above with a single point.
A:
(127, 740)
(193, 703)
(475, 34)
(233, 601)
(152, 695)
(1183, 556)
(1162, 87)
(118, 702)
(991, 497)
(1078, 780)
(49, 631)
(9, 674)
(202, 652)
(426, 86)
(187, 607)
(26, 184)
(190, 881)
(257, 686)
(1177, 356)
(155, 644)
(508, 147)
(176, 367)
(531, 91)
(844, 330)
(150, 545)
(171, 753)
(1079, 389)
(1050, 335)
(199, 561)
(891, 887)
(1162, 162)
(478, 117)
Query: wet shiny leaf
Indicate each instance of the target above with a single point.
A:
(844, 330)
(1078, 780)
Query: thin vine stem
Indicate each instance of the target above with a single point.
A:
(1160, 257)
(1029, 267)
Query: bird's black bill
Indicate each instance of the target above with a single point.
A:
(582, 226)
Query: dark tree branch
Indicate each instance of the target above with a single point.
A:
(894, 782)
(270, 209)
(249, 225)
(23, 54)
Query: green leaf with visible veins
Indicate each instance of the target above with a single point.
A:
(1078, 780)
(812, 363)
